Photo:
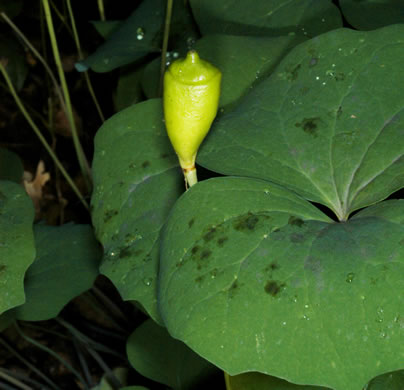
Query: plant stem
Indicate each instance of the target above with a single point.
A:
(14, 381)
(86, 75)
(29, 365)
(61, 17)
(84, 165)
(190, 176)
(101, 9)
(41, 137)
(40, 58)
(52, 353)
(165, 44)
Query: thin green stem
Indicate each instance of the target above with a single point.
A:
(40, 58)
(29, 365)
(61, 17)
(41, 137)
(86, 75)
(87, 341)
(14, 381)
(190, 177)
(101, 9)
(84, 165)
(54, 354)
(165, 44)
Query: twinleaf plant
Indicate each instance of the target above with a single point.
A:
(246, 269)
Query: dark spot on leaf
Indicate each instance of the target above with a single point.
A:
(146, 259)
(214, 272)
(195, 249)
(199, 279)
(109, 214)
(339, 112)
(3, 268)
(125, 252)
(164, 155)
(374, 281)
(293, 72)
(296, 238)
(145, 164)
(179, 264)
(191, 222)
(277, 230)
(209, 235)
(205, 254)
(248, 222)
(273, 266)
(121, 183)
(295, 221)
(310, 125)
(234, 288)
(222, 240)
(132, 166)
(339, 76)
(273, 287)
(313, 62)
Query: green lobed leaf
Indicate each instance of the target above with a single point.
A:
(138, 36)
(243, 61)
(136, 181)
(258, 381)
(129, 89)
(107, 27)
(276, 285)
(266, 17)
(156, 355)
(17, 248)
(390, 381)
(66, 265)
(372, 14)
(331, 97)
(11, 167)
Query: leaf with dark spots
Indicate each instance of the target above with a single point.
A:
(110, 214)
(221, 241)
(310, 125)
(235, 286)
(205, 254)
(311, 298)
(210, 234)
(145, 164)
(273, 287)
(295, 221)
(125, 252)
(195, 249)
(191, 222)
(293, 72)
(272, 267)
(199, 279)
(248, 222)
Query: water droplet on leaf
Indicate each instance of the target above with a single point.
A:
(350, 277)
(139, 34)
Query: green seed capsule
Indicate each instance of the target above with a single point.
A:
(191, 100)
